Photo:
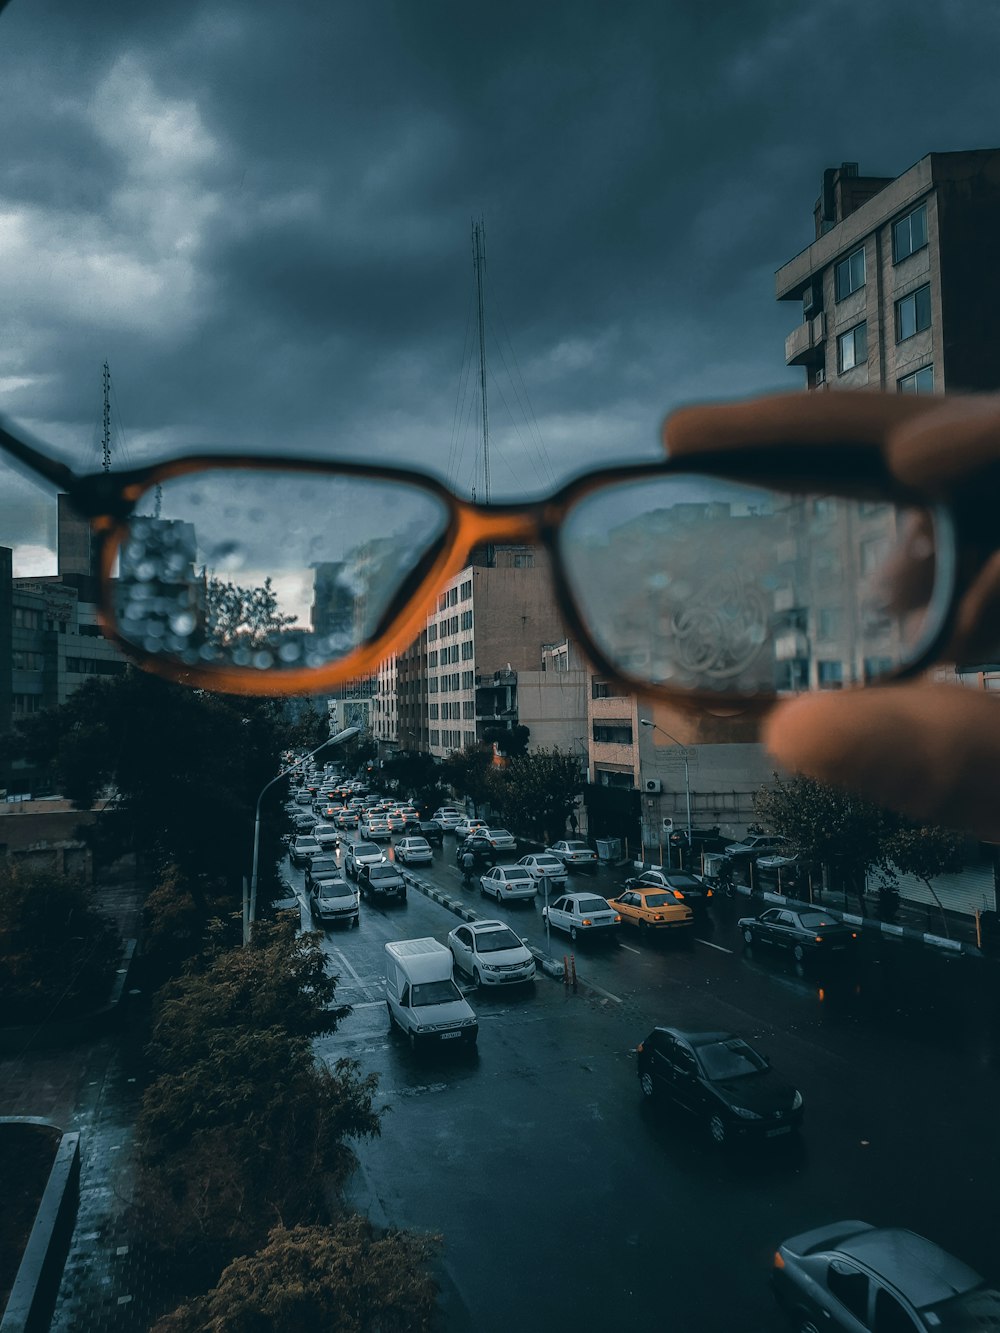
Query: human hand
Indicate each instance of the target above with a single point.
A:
(931, 750)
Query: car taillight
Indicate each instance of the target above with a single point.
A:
(818, 939)
(657, 917)
(679, 896)
(854, 934)
(708, 893)
(778, 1261)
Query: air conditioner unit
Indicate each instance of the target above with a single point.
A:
(652, 785)
(820, 376)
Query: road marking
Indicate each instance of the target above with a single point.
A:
(369, 1004)
(629, 947)
(348, 966)
(600, 990)
(713, 946)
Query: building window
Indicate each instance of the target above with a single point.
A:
(849, 274)
(452, 596)
(432, 658)
(470, 737)
(442, 601)
(467, 653)
(22, 704)
(909, 234)
(466, 591)
(435, 736)
(25, 661)
(432, 685)
(91, 666)
(523, 559)
(466, 620)
(830, 675)
(25, 618)
(824, 508)
(455, 681)
(602, 689)
(432, 712)
(852, 348)
(913, 313)
(432, 633)
(877, 666)
(613, 732)
(468, 710)
(921, 381)
(468, 680)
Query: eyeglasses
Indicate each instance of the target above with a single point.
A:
(741, 573)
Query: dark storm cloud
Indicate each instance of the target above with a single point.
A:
(261, 215)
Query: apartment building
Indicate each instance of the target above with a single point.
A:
(899, 287)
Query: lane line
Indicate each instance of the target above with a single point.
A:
(629, 947)
(350, 969)
(600, 990)
(712, 946)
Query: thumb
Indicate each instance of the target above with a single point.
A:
(930, 751)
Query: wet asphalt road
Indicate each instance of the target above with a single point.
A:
(567, 1202)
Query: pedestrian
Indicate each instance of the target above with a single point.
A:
(574, 823)
(468, 865)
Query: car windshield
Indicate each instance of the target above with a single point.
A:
(971, 1312)
(367, 849)
(591, 905)
(548, 861)
(493, 941)
(324, 830)
(679, 880)
(417, 845)
(305, 844)
(334, 889)
(723, 1060)
(324, 864)
(658, 899)
(434, 992)
(383, 872)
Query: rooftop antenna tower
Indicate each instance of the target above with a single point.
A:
(106, 441)
(479, 264)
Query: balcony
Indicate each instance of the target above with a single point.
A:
(804, 346)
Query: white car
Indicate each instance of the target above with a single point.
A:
(574, 855)
(466, 825)
(491, 954)
(360, 854)
(582, 914)
(544, 866)
(758, 843)
(497, 839)
(507, 883)
(412, 851)
(327, 836)
(374, 829)
(448, 817)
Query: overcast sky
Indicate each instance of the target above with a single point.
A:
(260, 214)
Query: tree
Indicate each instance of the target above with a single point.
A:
(832, 827)
(467, 771)
(926, 851)
(412, 772)
(537, 791)
(57, 953)
(241, 1125)
(243, 617)
(511, 742)
(348, 1278)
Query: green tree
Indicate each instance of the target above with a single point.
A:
(57, 953)
(832, 827)
(412, 772)
(241, 1125)
(467, 772)
(925, 851)
(536, 792)
(243, 617)
(347, 1278)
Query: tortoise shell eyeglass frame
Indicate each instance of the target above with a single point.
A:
(850, 469)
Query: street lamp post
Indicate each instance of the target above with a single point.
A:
(644, 722)
(250, 909)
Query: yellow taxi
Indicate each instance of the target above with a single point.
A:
(652, 908)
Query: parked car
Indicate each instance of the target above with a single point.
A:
(466, 826)
(756, 844)
(413, 851)
(334, 902)
(582, 914)
(575, 855)
(327, 836)
(851, 1275)
(721, 1080)
(303, 849)
(682, 885)
(360, 854)
(491, 954)
(449, 817)
(508, 883)
(433, 831)
(799, 933)
(381, 881)
(787, 870)
(653, 909)
(544, 866)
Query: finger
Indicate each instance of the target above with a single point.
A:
(930, 751)
(935, 450)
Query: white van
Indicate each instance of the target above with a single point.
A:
(422, 998)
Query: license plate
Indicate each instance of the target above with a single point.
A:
(773, 1133)
(449, 1036)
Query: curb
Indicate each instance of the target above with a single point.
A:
(869, 923)
(548, 965)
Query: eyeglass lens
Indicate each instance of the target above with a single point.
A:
(699, 583)
(275, 570)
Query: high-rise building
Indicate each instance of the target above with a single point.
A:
(897, 289)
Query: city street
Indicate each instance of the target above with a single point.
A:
(567, 1201)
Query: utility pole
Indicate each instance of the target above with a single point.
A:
(106, 450)
(479, 263)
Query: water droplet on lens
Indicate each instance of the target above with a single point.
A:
(183, 623)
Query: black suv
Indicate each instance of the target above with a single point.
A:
(432, 831)
(382, 881)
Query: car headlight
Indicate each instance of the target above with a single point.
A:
(796, 1101)
(744, 1113)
